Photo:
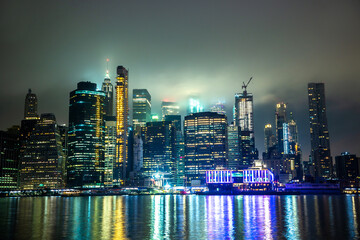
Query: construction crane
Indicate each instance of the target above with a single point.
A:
(244, 86)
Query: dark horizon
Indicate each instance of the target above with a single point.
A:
(174, 51)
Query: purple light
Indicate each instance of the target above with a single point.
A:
(219, 176)
(258, 176)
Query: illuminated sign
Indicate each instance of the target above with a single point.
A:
(219, 176)
(258, 176)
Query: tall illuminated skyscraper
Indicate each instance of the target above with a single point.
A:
(108, 89)
(85, 168)
(122, 125)
(169, 108)
(110, 149)
(43, 162)
(280, 119)
(141, 108)
(244, 119)
(319, 133)
(31, 104)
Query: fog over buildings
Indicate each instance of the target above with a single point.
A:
(176, 51)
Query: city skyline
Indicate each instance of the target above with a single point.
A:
(281, 62)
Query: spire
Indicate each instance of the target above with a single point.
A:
(107, 69)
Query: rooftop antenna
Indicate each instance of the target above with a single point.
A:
(244, 86)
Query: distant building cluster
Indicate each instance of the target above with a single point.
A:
(104, 147)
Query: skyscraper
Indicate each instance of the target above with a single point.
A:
(319, 133)
(85, 167)
(31, 103)
(43, 162)
(141, 108)
(347, 166)
(205, 144)
(122, 125)
(178, 148)
(169, 108)
(280, 119)
(108, 89)
(244, 119)
(158, 145)
(233, 137)
(270, 139)
(110, 149)
(9, 158)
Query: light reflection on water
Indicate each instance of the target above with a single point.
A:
(181, 217)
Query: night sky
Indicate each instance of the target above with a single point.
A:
(181, 48)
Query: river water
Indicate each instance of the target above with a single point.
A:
(181, 217)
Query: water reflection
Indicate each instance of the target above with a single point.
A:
(181, 217)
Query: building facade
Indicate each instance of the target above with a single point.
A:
(158, 146)
(9, 158)
(319, 132)
(234, 137)
(141, 108)
(169, 108)
(85, 168)
(110, 150)
(108, 89)
(244, 120)
(205, 144)
(122, 125)
(280, 119)
(347, 166)
(42, 165)
(31, 104)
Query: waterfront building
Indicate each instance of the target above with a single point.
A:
(319, 133)
(108, 89)
(85, 168)
(43, 162)
(158, 145)
(233, 144)
(347, 166)
(244, 119)
(110, 150)
(219, 108)
(169, 108)
(9, 158)
(141, 108)
(205, 144)
(122, 125)
(31, 104)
